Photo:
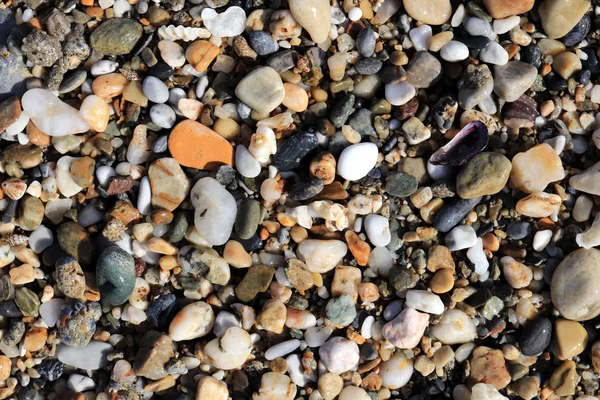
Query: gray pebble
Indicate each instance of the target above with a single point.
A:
(155, 90)
(365, 42)
(263, 43)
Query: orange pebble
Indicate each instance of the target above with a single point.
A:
(197, 146)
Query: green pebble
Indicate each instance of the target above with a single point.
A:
(115, 272)
(116, 36)
(28, 302)
(399, 184)
(247, 219)
(341, 310)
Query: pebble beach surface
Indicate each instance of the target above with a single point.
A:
(299, 199)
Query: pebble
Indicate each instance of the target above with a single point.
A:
(378, 230)
(330, 385)
(573, 283)
(197, 146)
(229, 23)
(486, 174)
(406, 330)
(339, 355)
(289, 154)
(432, 12)
(396, 372)
(231, 350)
(423, 70)
(314, 16)
(215, 210)
(536, 337)
(454, 51)
(170, 186)
(77, 323)
(534, 169)
(539, 205)
(341, 310)
(115, 272)
(357, 160)
(513, 79)
(116, 36)
(262, 90)
(163, 116)
(193, 321)
(425, 301)
(570, 339)
(51, 115)
(485, 391)
(365, 42)
(400, 93)
(155, 90)
(578, 33)
(559, 17)
(454, 327)
(503, 9)
(96, 355)
(449, 216)
(263, 43)
(488, 366)
(461, 237)
(211, 388)
(69, 277)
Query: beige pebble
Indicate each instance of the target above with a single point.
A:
(566, 64)
(296, 98)
(236, 256)
(539, 205)
(534, 169)
(330, 385)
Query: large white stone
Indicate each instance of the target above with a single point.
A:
(357, 160)
(51, 115)
(322, 255)
(90, 357)
(215, 210)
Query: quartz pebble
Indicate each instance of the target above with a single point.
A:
(51, 115)
(357, 160)
(215, 210)
(339, 354)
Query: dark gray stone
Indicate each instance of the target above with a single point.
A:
(341, 111)
(536, 337)
(291, 152)
(306, 190)
(365, 42)
(453, 213)
(248, 218)
(361, 122)
(263, 43)
(14, 74)
(399, 184)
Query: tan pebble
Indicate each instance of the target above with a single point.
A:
(296, 98)
(298, 233)
(22, 274)
(161, 217)
(161, 246)
(595, 356)
(142, 232)
(298, 275)
(566, 64)
(442, 281)
(488, 366)
(190, 108)
(109, 85)
(569, 339)
(358, 247)
(319, 94)
(314, 16)
(95, 112)
(5, 365)
(278, 365)
(272, 317)
(35, 339)
(564, 379)
(368, 291)
(551, 47)
(421, 197)
(431, 12)
(323, 167)
(490, 242)
(429, 210)
(346, 281)
(134, 93)
(330, 385)
(168, 263)
(227, 128)
(560, 16)
(516, 274)
(539, 205)
(196, 146)
(161, 384)
(236, 256)
(534, 169)
(436, 42)
(280, 292)
(439, 257)
(201, 54)
(36, 136)
(510, 352)
(424, 365)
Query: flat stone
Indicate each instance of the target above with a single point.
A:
(431, 12)
(76, 242)
(341, 310)
(154, 352)
(574, 285)
(475, 86)
(292, 151)
(486, 174)
(399, 184)
(534, 169)
(116, 36)
(248, 218)
(536, 336)
(513, 79)
(256, 280)
(570, 339)
(505, 8)
(170, 185)
(423, 70)
(261, 89)
(449, 216)
(487, 366)
(14, 75)
(197, 146)
(560, 16)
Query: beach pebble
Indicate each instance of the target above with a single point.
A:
(321, 255)
(461, 237)
(432, 12)
(95, 112)
(406, 330)
(397, 371)
(559, 17)
(339, 354)
(229, 23)
(51, 115)
(454, 327)
(398, 94)
(215, 210)
(513, 79)
(494, 53)
(534, 169)
(314, 16)
(96, 355)
(516, 274)
(454, 51)
(378, 230)
(155, 90)
(231, 350)
(357, 160)
(193, 321)
(262, 90)
(425, 301)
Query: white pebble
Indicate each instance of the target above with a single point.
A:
(378, 230)
(50, 310)
(229, 23)
(41, 239)
(454, 51)
(163, 115)
(80, 383)
(425, 301)
(397, 371)
(461, 237)
(541, 239)
(581, 211)
(367, 327)
(144, 201)
(504, 25)
(95, 355)
(420, 37)
(459, 16)
(477, 256)
(399, 93)
(357, 160)
(155, 90)
(381, 260)
(355, 14)
(245, 163)
(317, 335)
(494, 53)
(282, 349)
(215, 210)
(104, 67)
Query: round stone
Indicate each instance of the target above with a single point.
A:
(574, 287)
(431, 12)
(115, 272)
(536, 337)
(485, 174)
(357, 160)
(341, 310)
(116, 36)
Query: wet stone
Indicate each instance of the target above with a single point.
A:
(51, 370)
(399, 184)
(263, 43)
(449, 216)
(361, 121)
(256, 280)
(293, 150)
(536, 336)
(306, 190)
(10, 309)
(368, 66)
(247, 219)
(341, 111)
(162, 310)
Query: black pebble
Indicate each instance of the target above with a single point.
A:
(306, 190)
(453, 213)
(162, 310)
(9, 309)
(51, 370)
(536, 337)
(161, 70)
(518, 230)
(578, 33)
(532, 55)
(293, 150)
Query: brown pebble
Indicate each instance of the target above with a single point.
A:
(323, 167)
(442, 281)
(161, 217)
(10, 111)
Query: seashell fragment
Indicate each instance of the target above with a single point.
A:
(521, 113)
(467, 143)
(14, 188)
(185, 33)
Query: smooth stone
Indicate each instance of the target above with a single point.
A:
(193, 321)
(115, 272)
(248, 218)
(163, 116)
(432, 12)
(454, 327)
(155, 90)
(377, 228)
(256, 280)
(461, 237)
(339, 354)
(51, 115)
(75, 241)
(14, 75)
(397, 371)
(423, 70)
(96, 355)
(534, 169)
(536, 337)
(116, 36)
(263, 43)
(506, 8)
(570, 339)
(518, 230)
(231, 350)
(454, 51)
(341, 310)
(399, 184)
(449, 216)
(423, 300)
(476, 85)
(197, 146)
(292, 151)
(170, 185)
(95, 112)
(245, 163)
(406, 330)
(513, 79)
(229, 23)
(566, 64)
(357, 160)
(360, 121)
(314, 16)
(560, 16)
(488, 366)
(483, 391)
(215, 210)
(574, 286)
(539, 205)
(486, 174)
(306, 190)
(399, 93)
(365, 42)
(261, 89)
(321, 255)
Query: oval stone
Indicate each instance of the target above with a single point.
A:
(116, 36)
(115, 272)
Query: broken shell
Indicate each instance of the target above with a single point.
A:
(444, 112)
(521, 113)
(185, 33)
(470, 141)
(14, 188)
